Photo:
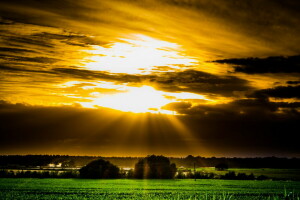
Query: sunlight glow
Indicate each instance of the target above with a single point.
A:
(136, 99)
(139, 55)
(126, 98)
(133, 54)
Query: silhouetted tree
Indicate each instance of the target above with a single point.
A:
(155, 167)
(99, 169)
(28, 161)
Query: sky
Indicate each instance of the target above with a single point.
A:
(134, 78)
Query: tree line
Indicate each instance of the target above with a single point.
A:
(23, 161)
(150, 167)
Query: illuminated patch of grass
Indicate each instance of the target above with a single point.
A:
(80, 189)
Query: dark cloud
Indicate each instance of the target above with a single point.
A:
(45, 39)
(239, 133)
(87, 74)
(293, 82)
(14, 50)
(28, 40)
(37, 51)
(71, 72)
(279, 92)
(8, 68)
(70, 38)
(17, 68)
(185, 81)
(5, 21)
(233, 110)
(177, 106)
(278, 64)
(255, 125)
(242, 109)
(74, 130)
(15, 58)
(200, 82)
(63, 8)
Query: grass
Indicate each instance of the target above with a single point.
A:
(292, 174)
(27, 188)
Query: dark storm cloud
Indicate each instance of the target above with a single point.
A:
(11, 9)
(17, 68)
(255, 125)
(260, 131)
(87, 74)
(28, 40)
(233, 110)
(259, 113)
(278, 64)
(200, 82)
(70, 39)
(46, 40)
(279, 92)
(76, 130)
(185, 81)
(24, 125)
(14, 50)
(15, 58)
(293, 82)
(13, 69)
(30, 48)
(73, 72)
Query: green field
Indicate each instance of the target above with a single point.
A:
(290, 174)
(27, 188)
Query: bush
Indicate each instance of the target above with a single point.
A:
(99, 169)
(154, 167)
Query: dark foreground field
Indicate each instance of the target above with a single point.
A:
(147, 189)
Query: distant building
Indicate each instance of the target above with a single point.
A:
(53, 165)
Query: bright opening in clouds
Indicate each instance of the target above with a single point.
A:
(126, 98)
(138, 55)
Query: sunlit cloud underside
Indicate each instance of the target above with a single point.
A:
(126, 98)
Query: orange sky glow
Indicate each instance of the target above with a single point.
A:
(167, 77)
